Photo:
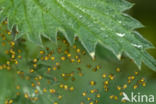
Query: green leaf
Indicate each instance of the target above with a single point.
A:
(93, 21)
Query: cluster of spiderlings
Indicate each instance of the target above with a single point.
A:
(62, 71)
(11, 55)
(133, 81)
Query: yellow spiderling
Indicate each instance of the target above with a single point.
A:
(92, 83)
(111, 97)
(61, 85)
(78, 60)
(124, 86)
(55, 103)
(106, 82)
(88, 98)
(63, 58)
(36, 91)
(91, 103)
(65, 87)
(72, 60)
(144, 84)
(44, 90)
(111, 77)
(35, 60)
(9, 33)
(98, 95)
(57, 63)
(41, 52)
(54, 68)
(71, 88)
(26, 95)
(118, 88)
(117, 69)
(59, 97)
(135, 87)
(115, 97)
(104, 75)
(46, 58)
(136, 73)
(78, 50)
(52, 91)
(84, 94)
(74, 46)
(52, 58)
(68, 55)
(12, 43)
(92, 91)
(31, 70)
(17, 87)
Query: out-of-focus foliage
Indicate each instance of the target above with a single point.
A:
(144, 11)
(64, 74)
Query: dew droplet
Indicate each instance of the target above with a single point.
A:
(135, 45)
(120, 34)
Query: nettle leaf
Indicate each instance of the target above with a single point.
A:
(93, 21)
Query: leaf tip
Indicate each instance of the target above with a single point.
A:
(92, 54)
(119, 56)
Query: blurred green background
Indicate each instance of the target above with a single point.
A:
(145, 12)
